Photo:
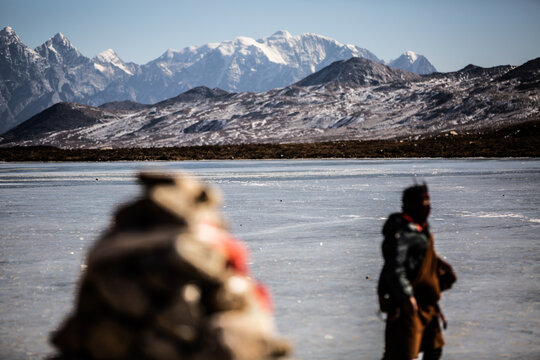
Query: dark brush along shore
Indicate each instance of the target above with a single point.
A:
(521, 140)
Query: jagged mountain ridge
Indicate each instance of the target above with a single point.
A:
(245, 64)
(472, 99)
(32, 80)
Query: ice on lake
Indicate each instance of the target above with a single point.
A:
(313, 229)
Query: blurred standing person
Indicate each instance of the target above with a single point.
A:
(411, 281)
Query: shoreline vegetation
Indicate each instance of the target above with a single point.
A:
(522, 140)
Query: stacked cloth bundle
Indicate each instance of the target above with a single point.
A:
(168, 281)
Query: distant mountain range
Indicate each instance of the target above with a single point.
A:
(31, 80)
(350, 99)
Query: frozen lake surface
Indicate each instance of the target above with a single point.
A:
(313, 228)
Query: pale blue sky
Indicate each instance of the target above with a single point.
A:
(450, 33)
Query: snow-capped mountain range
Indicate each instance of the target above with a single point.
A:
(31, 80)
(351, 99)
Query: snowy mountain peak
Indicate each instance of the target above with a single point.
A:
(243, 47)
(281, 34)
(169, 54)
(413, 62)
(244, 41)
(9, 36)
(59, 50)
(58, 43)
(60, 37)
(60, 40)
(108, 56)
(7, 31)
(411, 55)
(12, 48)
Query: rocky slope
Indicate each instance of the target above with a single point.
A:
(348, 100)
(358, 72)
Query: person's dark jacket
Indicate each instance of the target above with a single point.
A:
(404, 249)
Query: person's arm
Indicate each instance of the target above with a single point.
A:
(400, 286)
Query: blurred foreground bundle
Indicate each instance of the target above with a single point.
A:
(168, 281)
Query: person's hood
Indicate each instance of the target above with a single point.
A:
(394, 222)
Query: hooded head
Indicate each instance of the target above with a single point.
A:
(416, 203)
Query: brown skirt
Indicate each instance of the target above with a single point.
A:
(407, 335)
